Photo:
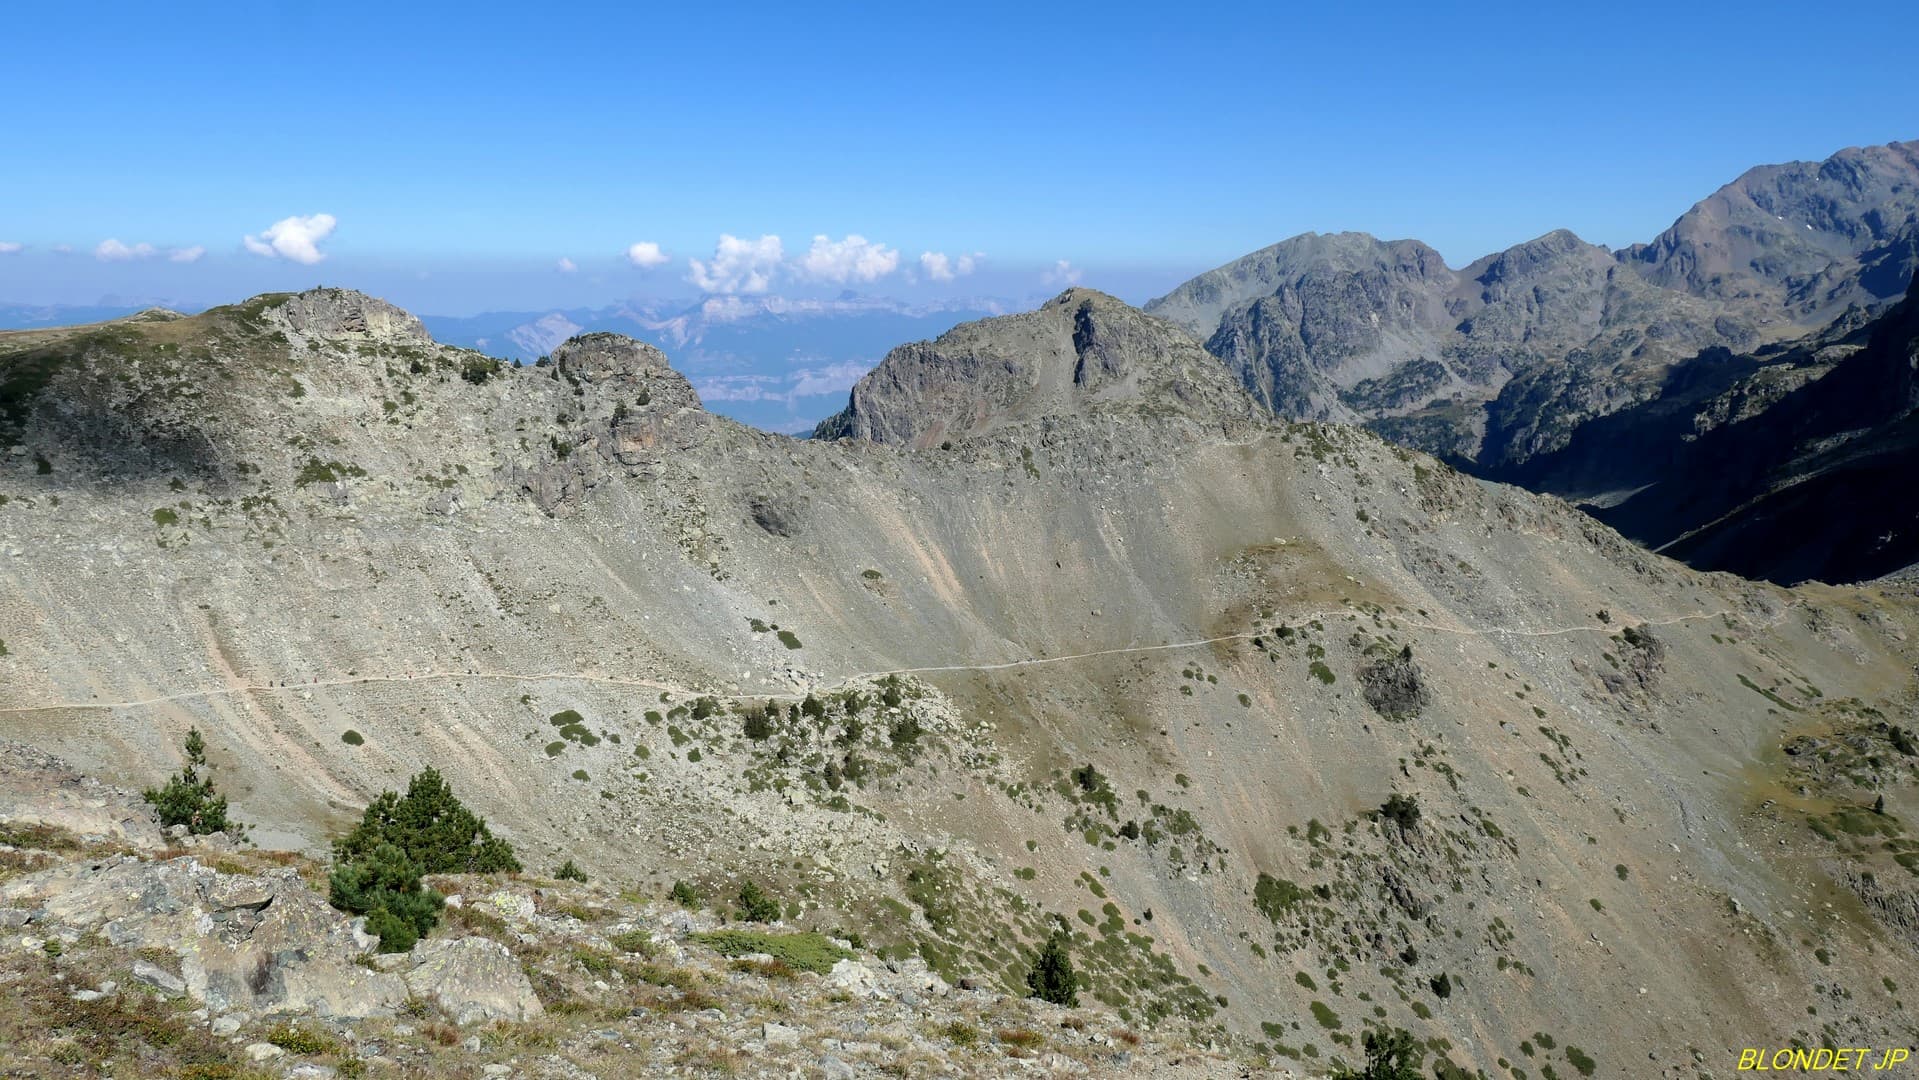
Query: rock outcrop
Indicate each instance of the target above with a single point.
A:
(347, 314)
(1081, 351)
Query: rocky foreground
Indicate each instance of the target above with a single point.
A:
(126, 951)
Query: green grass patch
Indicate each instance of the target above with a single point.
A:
(805, 951)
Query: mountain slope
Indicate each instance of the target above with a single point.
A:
(1123, 665)
(1788, 464)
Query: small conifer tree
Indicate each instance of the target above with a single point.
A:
(756, 905)
(433, 828)
(1051, 977)
(1390, 1055)
(188, 800)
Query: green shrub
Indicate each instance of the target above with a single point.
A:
(1401, 810)
(1051, 978)
(1275, 896)
(298, 1040)
(634, 941)
(904, 732)
(384, 885)
(569, 872)
(758, 726)
(959, 1032)
(478, 369)
(756, 905)
(352, 738)
(684, 895)
(188, 800)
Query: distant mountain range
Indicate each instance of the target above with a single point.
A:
(34, 316)
(1503, 360)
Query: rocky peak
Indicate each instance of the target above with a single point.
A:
(345, 313)
(1777, 224)
(1079, 350)
(1525, 261)
(607, 358)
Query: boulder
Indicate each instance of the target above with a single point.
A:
(473, 979)
(264, 943)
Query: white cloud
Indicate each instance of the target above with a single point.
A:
(8, 247)
(566, 265)
(852, 259)
(831, 379)
(1062, 273)
(738, 266)
(187, 254)
(646, 255)
(114, 251)
(834, 379)
(63, 249)
(940, 268)
(295, 238)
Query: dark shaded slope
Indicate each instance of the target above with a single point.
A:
(1789, 464)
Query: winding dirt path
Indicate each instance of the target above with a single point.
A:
(648, 684)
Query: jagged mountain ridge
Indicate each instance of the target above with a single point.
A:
(291, 518)
(1502, 360)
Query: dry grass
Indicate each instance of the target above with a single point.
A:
(128, 1033)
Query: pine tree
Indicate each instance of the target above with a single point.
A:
(1052, 977)
(432, 828)
(384, 885)
(1391, 1055)
(569, 872)
(188, 800)
(756, 905)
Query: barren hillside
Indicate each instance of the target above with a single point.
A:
(1160, 671)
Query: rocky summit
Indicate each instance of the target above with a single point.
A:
(1059, 711)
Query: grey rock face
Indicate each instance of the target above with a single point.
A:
(265, 944)
(605, 357)
(345, 313)
(1081, 351)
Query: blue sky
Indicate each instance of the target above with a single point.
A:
(461, 152)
